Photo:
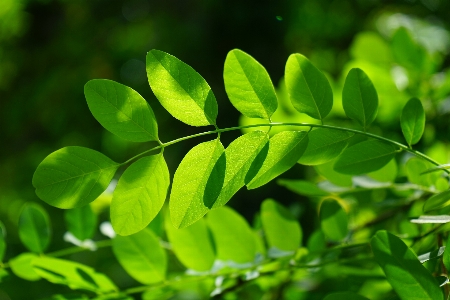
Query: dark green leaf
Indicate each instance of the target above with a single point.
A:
(81, 222)
(403, 270)
(34, 228)
(73, 176)
(446, 256)
(181, 90)
(2, 241)
(344, 296)
(437, 201)
(22, 267)
(121, 110)
(333, 220)
(364, 157)
(248, 86)
(309, 90)
(412, 121)
(359, 98)
(302, 187)
(140, 194)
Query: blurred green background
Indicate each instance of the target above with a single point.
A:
(50, 49)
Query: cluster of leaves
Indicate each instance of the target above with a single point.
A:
(220, 250)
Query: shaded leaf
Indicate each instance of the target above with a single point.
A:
(437, 201)
(140, 194)
(344, 296)
(22, 267)
(2, 241)
(446, 255)
(406, 51)
(73, 176)
(431, 255)
(308, 88)
(327, 171)
(302, 187)
(81, 222)
(333, 220)
(181, 90)
(388, 173)
(121, 110)
(248, 86)
(34, 228)
(412, 121)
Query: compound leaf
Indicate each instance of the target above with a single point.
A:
(308, 88)
(402, 268)
(412, 121)
(121, 110)
(140, 194)
(73, 176)
(248, 86)
(359, 98)
(81, 222)
(34, 228)
(181, 90)
(142, 256)
(333, 220)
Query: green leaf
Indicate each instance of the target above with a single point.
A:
(406, 51)
(73, 176)
(437, 201)
(324, 145)
(333, 220)
(438, 168)
(121, 110)
(388, 173)
(446, 255)
(302, 187)
(22, 267)
(248, 86)
(412, 121)
(140, 194)
(327, 171)
(285, 148)
(72, 274)
(181, 90)
(192, 245)
(34, 228)
(415, 167)
(233, 236)
(190, 189)
(431, 255)
(141, 255)
(81, 222)
(344, 296)
(2, 241)
(281, 229)
(364, 157)
(309, 90)
(359, 98)
(403, 270)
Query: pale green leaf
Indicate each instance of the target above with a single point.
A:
(284, 149)
(141, 255)
(281, 229)
(412, 121)
(233, 236)
(34, 228)
(21, 266)
(140, 194)
(416, 172)
(364, 157)
(73, 176)
(324, 145)
(327, 171)
(403, 270)
(437, 201)
(248, 86)
(438, 168)
(308, 88)
(344, 296)
(333, 220)
(72, 274)
(121, 110)
(388, 173)
(192, 245)
(359, 98)
(302, 187)
(190, 195)
(406, 50)
(181, 90)
(81, 222)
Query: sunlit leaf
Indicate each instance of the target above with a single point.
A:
(388, 173)
(364, 157)
(344, 296)
(327, 171)
(285, 148)
(402, 268)
(73, 176)
(34, 228)
(141, 255)
(415, 168)
(324, 145)
(81, 222)
(412, 121)
(333, 220)
(181, 90)
(190, 195)
(22, 267)
(121, 110)
(140, 194)
(431, 219)
(308, 88)
(359, 98)
(248, 86)
(438, 168)
(437, 201)
(302, 187)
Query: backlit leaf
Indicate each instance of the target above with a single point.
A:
(248, 86)
(308, 88)
(407, 51)
(181, 90)
(34, 228)
(438, 168)
(388, 173)
(364, 157)
(81, 222)
(412, 121)
(285, 148)
(402, 268)
(140, 194)
(327, 171)
(437, 201)
(73, 176)
(359, 98)
(141, 255)
(333, 220)
(121, 110)
(415, 170)
(22, 267)
(302, 187)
